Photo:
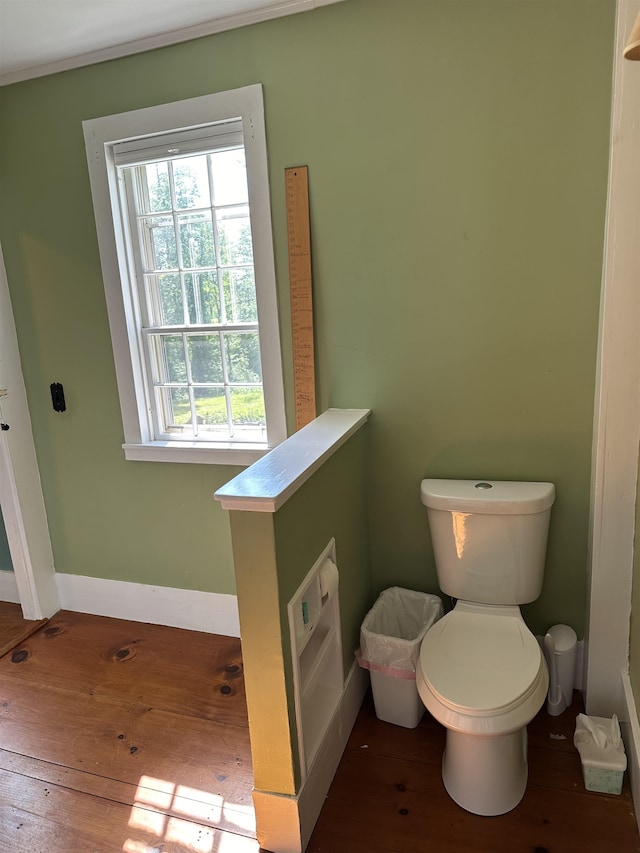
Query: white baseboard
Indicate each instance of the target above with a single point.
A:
(284, 824)
(211, 612)
(277, 822)
(9, 587)
(314, 791)
(631, 736)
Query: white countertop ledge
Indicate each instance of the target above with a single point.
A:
(269, 482)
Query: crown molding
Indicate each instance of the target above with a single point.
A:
(206, 28)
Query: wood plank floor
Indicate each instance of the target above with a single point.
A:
(118, 737)
(13, 628)
(388, 797)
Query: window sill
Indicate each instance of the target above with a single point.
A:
(199, 453)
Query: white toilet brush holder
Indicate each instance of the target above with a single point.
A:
(560, 644)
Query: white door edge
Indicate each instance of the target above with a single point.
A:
(21, 497)
(617, 410)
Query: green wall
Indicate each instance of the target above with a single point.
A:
(5, 554)
(332, 504)
(457, 154)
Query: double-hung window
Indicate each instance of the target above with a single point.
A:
(182, 210)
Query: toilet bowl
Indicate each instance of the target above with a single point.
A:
(481, 672)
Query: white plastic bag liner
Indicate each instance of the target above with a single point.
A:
(393, 630)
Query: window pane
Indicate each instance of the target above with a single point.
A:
(240, 295)
(206, 358)
(165, 298)
(203, 297)
(211, 411)
(167, 353)
(234, 233)
(196, 240)
(242, 352)
(191, 182)
(174, 411)
(229, 177)
(247, 407)
(182, 301)
(158, 243)
(152, 181)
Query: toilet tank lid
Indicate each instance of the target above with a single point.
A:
(504, 497)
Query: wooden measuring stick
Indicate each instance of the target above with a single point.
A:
(299, 237)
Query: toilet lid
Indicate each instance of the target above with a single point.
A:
(479, 663)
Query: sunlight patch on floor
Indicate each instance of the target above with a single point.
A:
(228, 843)
(174, 814)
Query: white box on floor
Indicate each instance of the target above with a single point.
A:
(396, 700)
(602, 754)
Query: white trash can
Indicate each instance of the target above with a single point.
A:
(560, 644)
(390, 639)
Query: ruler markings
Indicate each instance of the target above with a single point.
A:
(301, 294)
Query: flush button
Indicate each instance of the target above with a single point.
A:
(483, 486)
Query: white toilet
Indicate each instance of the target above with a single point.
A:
(481, 671)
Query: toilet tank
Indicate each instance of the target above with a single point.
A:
(489, 537)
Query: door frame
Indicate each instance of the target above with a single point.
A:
(617, 411)
(21, 498)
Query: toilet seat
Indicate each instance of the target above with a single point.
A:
(482, 661)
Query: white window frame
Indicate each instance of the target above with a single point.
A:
(101, 135)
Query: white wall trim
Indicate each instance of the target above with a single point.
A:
(313, 793)
(124, 303)
(284, 824)
(211, 612)
(277, 822)
(230, 22)
(272, 480)
(617, 411)
(581, 665)
(9, 587)
(21, 499)
(631, 737)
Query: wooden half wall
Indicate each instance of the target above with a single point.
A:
(284, 510)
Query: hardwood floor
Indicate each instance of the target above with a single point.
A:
(13, 628)
(119, 737)
(388, 797)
